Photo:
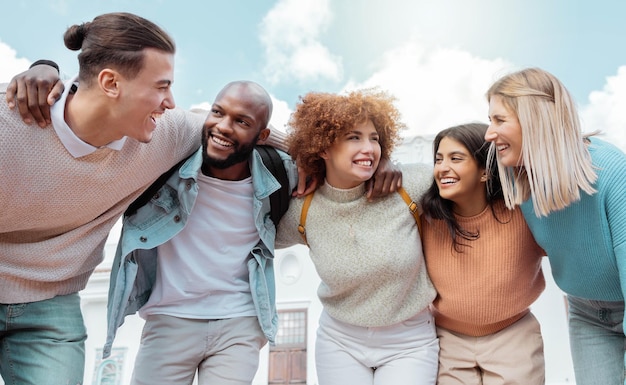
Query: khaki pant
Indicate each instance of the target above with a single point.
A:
(512, 356)
(224, 352)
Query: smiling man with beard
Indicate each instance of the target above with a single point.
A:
(196, 261)
(230, 132)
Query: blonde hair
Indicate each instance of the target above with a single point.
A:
(556, 162)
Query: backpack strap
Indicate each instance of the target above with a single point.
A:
(412, 207)
(152, 189)
(279, 200)
(405, 196)
(305, 210)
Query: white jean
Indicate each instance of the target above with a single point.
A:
(404, 353)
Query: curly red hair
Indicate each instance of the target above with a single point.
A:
(321, 118)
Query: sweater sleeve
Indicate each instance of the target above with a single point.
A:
(417, 177)
(277, 139)
(189, 127)
(615, 203)
(287, 233)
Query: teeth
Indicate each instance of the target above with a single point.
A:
(221, 142)
(448, 180)
(502, 147)
(364, 162)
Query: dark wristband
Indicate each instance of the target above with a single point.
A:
(46, 62)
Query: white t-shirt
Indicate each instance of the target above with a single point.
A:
(202, 272)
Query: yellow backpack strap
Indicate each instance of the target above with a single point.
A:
(305, 209)
(412, 207)
(307, 202)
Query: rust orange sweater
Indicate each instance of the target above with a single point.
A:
(493, 281)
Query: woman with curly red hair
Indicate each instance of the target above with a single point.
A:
(376, 326)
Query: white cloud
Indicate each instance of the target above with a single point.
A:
(280, 114)
(606, 111)
(204, 106)
(435, 87)
(10, 65)
(290, 34)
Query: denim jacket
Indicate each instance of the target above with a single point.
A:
(134, 268)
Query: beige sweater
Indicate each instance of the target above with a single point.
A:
(368, 255)
(56, 211)
(492, 283)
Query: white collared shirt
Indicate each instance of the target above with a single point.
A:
(73, 143)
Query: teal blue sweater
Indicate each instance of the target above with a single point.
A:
(586, 242)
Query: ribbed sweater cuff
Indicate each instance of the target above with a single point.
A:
(475, 330)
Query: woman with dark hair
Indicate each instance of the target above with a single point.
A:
(486, 268)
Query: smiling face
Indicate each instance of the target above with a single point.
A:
(238, 119)
(353, 158)
(146, 96)
(505, 131)
(459, 177)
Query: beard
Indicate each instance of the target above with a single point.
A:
(241, 154)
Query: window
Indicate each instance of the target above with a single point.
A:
(287, 360)
(291, 328)
(109, 371)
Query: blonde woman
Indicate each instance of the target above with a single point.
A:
(572, 190)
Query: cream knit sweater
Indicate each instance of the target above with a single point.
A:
(368, 255)
(56, 211)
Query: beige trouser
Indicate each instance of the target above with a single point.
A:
(224, 352)
(512, 356)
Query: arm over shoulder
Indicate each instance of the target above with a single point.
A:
(416, 178)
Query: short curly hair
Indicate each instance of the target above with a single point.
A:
(321, 118)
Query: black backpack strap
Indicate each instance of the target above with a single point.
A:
(152, 190)
(279, 200)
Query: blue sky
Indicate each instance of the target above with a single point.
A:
(437, 57)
